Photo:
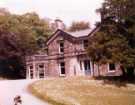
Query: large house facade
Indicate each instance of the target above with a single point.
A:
(66, 56)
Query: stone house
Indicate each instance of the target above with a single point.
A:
(66, 56)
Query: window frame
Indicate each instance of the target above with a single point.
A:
(87, 65)
(111, 70)
(61, 47)
(62, 67)
(41, 70)
(85, 43)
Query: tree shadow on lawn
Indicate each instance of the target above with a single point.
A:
(118, 81)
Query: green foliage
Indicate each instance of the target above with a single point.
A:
(22, 33)
(39, 26)
(120, 9)
(77, 26)
(111, 48)
(19, 35)
(115, 41)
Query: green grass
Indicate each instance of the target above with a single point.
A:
(82, 91)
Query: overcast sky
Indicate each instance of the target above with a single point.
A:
(67, 10)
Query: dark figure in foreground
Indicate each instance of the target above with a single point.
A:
(17, 100)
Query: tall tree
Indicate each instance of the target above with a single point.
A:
(19, 35)
(114, 42)
(80, 25)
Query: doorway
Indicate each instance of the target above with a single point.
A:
(87, 67)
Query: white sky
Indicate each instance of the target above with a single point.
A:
(67, 10)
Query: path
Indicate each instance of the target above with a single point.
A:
(10, 88)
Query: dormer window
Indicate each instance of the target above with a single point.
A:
(85, 44)
(61, 47)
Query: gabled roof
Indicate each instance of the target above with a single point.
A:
(80, 33)
(94, 30)
(73, 36)
(60, 32)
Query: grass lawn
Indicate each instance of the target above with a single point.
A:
(82, 91)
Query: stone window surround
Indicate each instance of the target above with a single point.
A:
(62, 67)
(61, 46)
(109, 67)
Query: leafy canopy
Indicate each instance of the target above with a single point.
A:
(19, 34)
(19, 37)
(114, 42)
(80, 25)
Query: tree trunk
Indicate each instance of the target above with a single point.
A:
(130, 73)
(123, 71)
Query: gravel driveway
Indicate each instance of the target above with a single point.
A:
(10, 88)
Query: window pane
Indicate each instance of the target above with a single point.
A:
(31, 67)
(85, 43)
(62, 64)
(41, 66)
(62, 67)
(61, 44)
(111, 66)
(62, 47)
(62, 70)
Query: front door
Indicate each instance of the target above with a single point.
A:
(87, 69)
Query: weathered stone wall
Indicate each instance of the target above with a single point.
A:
(53, 68)
(103, 70)
(53, 47)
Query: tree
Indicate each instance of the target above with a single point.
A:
(114, 42)
(19, 35)
(118, 9)
(77, 26)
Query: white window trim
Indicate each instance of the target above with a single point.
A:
(111, 71)
(38, 70)
(30, 70)
(60, 49)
